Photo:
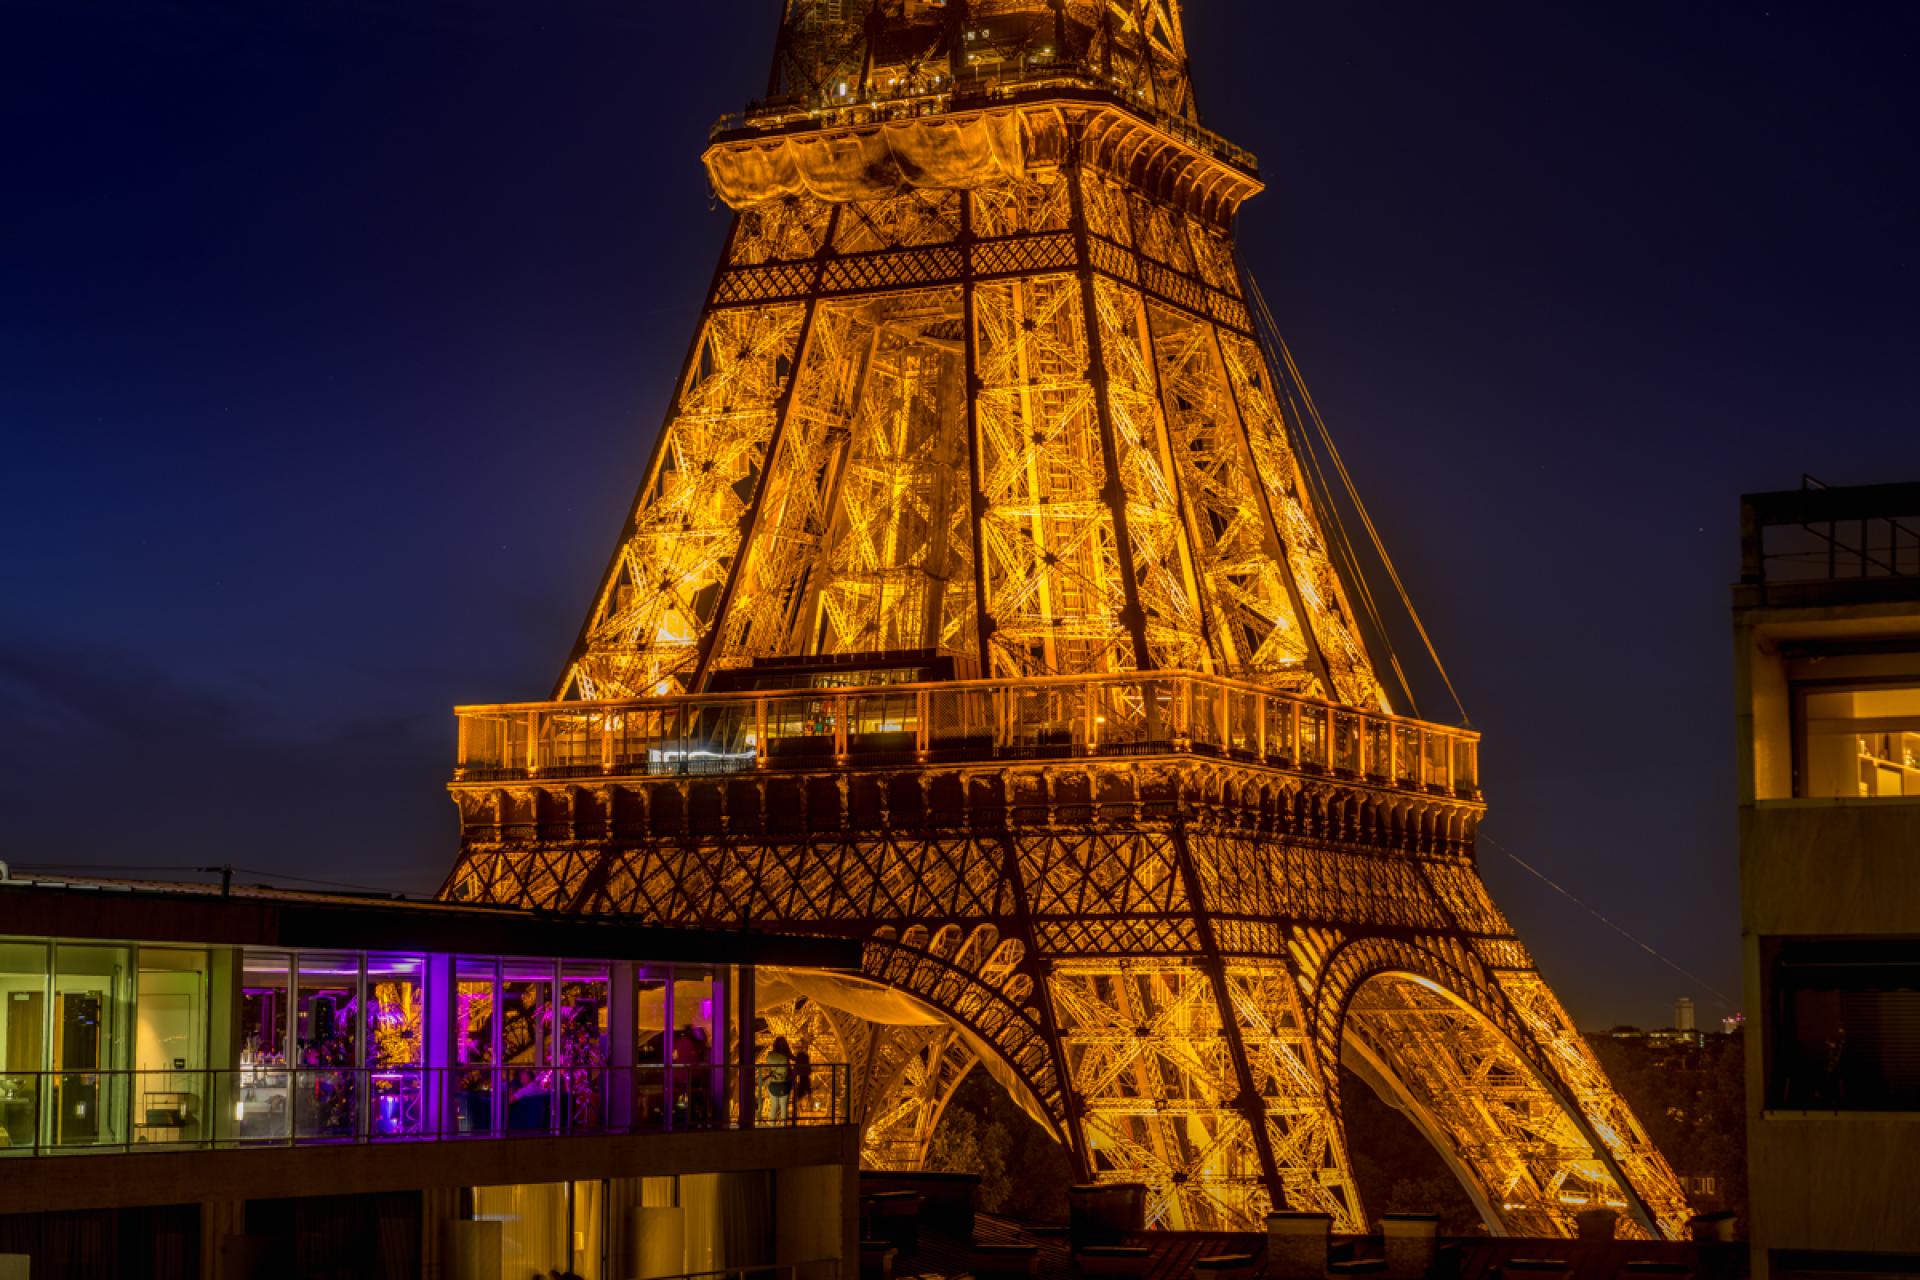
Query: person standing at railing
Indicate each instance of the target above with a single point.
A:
(778, 1071)
(802, 1078)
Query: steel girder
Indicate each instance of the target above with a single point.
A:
(1166, 959)
(1024, 425)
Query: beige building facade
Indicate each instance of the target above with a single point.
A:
(1827, 664)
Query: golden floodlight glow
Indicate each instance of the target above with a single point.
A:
(975, 604)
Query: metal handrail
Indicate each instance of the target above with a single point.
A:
(1079, 715)
(56, 1112)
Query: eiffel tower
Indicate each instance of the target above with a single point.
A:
(976, 604)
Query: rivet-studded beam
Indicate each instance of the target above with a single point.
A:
(1176, 957)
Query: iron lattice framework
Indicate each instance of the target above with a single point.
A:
(974, 604)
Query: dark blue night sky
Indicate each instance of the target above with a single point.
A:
(333, 337)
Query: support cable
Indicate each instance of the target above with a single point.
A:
(1338, 543)
(1720, 997)
(1342, 546)
(1271, 331)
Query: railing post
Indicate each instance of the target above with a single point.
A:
(745, 1015)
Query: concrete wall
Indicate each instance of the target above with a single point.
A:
(1827, 1180)
(1830, 867)
(49, 1183)
(1818, 868)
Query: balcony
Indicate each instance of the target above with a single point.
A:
(957, 722)
(996, 85)
(54, 1113)
(1819, 546)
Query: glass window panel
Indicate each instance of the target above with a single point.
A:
(170, 1010)
(1845, 1024)
(170, 1045)
(1861, 742)
(476, 997)
(526, 1005)
(262, 1109)
(533, 1218)
(326, 1014)
(651, 1026)
(23, 1040)
(588, 1225)
(92, 1009)
(581, 1045)
(698, 1049)
(395, 1032)
(527, 1042)
(264, 1005)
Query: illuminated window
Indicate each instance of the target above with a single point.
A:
(1860, 740)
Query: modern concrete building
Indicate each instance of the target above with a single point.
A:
(237, 1083)
(1827, 661)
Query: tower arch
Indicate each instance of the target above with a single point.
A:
(929, 1006)
(1437, 1035)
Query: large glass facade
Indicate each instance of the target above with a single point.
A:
(114, 1044)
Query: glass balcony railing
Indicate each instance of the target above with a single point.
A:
(55, 1112)
(1087, 716)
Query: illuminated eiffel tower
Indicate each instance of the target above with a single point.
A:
(975, 604)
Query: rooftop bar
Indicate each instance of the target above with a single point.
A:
(143, 1018)
(964, 721)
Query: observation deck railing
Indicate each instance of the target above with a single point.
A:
(985, 89)
(57, 1112)
(959, 721)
